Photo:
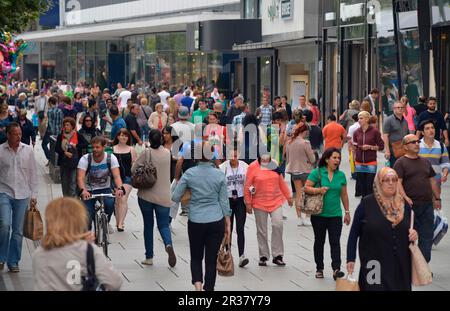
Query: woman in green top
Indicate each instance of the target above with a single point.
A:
(334, 187)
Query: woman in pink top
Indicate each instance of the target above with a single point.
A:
(265, 192)
(409, 114)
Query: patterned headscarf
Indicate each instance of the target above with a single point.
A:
(392, 207)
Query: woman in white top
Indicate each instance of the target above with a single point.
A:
(235, 173)
(60, 262)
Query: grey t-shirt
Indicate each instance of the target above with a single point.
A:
(395, 128)
(99, 175)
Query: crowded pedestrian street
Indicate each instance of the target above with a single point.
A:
(127, 249)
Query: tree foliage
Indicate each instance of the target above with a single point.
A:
(16, 15)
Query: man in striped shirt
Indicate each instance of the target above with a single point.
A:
(55, 117)
(434, 151)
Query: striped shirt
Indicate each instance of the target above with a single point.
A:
(437, 156)
(266, 114)
(55, 119)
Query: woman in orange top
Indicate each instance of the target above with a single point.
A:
(265, 192)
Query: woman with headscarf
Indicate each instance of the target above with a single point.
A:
(69, 146)
(382, 226)
(366, 142)
(88, 130)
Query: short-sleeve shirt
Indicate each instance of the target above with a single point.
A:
(332, 134)
(395, 128)
(332, 198)
(416, 174)
(99, 176)
(132, 124)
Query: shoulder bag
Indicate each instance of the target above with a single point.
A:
(144, 174)
(397, 149)
(313, 203)
(90, 281)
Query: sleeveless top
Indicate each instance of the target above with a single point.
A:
(125, 164)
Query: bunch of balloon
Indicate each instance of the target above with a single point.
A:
(10, 54)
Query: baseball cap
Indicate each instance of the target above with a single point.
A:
(183, 113)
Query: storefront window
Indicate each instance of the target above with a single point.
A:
(411, 74)
(214, 67)
(265, 65)
(251, 9)
(441, 11)
(251, 83)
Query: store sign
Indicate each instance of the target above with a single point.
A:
(272, 11)
(286, 9)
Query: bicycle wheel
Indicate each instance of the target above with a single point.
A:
(98, 229)
(105, 235)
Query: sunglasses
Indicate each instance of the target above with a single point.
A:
(413, 142)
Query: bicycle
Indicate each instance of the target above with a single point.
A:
(101, 221)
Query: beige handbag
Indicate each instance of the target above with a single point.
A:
(348, 284)
(33, 227)
(313, 203)
(421, 273)
(225, 265)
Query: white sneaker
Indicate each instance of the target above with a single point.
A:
(148, 261)
(243, 261)
(307, 222)
(300, 222)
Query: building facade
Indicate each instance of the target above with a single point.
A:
(140, 42)
(338, 50)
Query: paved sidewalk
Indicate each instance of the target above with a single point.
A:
(127, 251)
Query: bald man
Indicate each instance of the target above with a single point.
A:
(418, 187)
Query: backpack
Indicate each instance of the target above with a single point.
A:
(144, 174)
(108, 163)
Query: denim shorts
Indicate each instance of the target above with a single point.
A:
(300, 176)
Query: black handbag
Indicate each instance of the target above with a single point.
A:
(90, 281)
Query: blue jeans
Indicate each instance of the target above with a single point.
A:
(90, 205)
(424, 225)
(162, 219)
(12, 214)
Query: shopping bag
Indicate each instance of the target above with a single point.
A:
(348, 284)
(440, 226)
(421, 273)
(352, 162)
(175, 205)
(33, 227)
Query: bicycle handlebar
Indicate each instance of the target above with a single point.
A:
(102, 195)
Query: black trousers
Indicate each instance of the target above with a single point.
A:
(334, 227)
(238, 211)
(204, 241)
(365, 182)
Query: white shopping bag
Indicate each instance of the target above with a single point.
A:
(440, 226)
(175, 206)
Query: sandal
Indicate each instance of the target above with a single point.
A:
(319, 274)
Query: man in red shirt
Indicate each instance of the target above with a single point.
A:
(334, 134)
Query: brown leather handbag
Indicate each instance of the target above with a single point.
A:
(313, 203)
(225, 265)
(33, 227)
(397, 149)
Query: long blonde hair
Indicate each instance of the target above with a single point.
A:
(67, 222)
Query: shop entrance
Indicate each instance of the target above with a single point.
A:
(353, 72)
(441, 40)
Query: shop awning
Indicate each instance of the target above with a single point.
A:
(119, 29)
(270, 45)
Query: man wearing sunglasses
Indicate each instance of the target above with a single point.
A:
(418, 187)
